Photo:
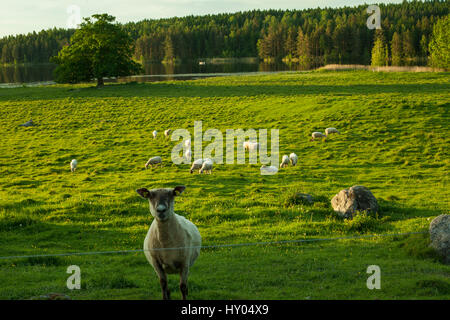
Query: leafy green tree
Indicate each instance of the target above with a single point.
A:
(98, 49)
(379, 50)
(440, 44)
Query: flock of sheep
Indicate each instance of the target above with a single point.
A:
(206, 165)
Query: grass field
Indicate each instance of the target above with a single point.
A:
(394, 141)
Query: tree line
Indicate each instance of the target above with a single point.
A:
(329, 35)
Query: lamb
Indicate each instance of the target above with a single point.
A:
(153, 161)
(284, 161)
(167, 132)
(294, 159)
(197, 164)
(206, 166)
(331, 130)
(318, 135)
(73, 165)
(154, 133)
(170, 230)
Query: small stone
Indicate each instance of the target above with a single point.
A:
(356, 198)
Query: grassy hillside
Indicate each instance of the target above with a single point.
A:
(394, 141)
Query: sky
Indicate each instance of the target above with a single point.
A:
(23, 16)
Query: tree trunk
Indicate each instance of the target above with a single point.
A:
(100, 82)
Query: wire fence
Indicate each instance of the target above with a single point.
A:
(214, 246)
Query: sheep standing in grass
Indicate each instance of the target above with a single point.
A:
(196, 165)
(318, 135)
(251, 145)
(73, 165)
(167, 133)
(153, 161)
(154, 133)
(284, 161)
(207, 166)
(331, 130)
(294, 159)
(170, 230)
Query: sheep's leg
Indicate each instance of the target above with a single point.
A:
(183, 282)
(162, 281)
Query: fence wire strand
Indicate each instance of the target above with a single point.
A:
(230, 245)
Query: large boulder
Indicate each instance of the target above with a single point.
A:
(440, 236)
(356, 198)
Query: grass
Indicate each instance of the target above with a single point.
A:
(394, 141)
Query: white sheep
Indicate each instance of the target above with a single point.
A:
(73, 165)
(154, 133)
(197, 164)
(251, 145)
(284, 161)
(331, 130)
(318, 135)
(207, 166)
(167, 133)
(187, 143)
(153, 161)
(167, 231)
(294, 159)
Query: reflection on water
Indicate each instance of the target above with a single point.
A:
(44, 72)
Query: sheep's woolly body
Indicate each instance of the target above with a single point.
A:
(294, 159)
(197, 164)
(317, 135)
(152, 161)
(73, 165)
(183, 233)
(331, 130)
(167, 132)
(154, 133)
(284, 161)
(207, 166)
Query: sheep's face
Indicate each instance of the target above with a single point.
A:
(161, 201)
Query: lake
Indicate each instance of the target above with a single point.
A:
(38, 73)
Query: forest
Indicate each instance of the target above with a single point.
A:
(321, 35)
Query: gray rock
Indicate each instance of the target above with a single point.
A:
(440, 236)
(304, 198)
(356, 198)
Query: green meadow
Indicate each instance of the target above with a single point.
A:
(394, 140)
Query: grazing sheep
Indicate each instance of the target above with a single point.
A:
(206, 166)
(318, 135)
(268, 170)
(294, 159)
(188, 155)
(73, 165)
(167, 133)
(250, 145)
(154, 133)
(153, 161)
(197, 164)
(170, 230)
(331, 130)
(284, 161)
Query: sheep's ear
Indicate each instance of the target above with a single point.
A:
(178, 190)
(144, 193)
